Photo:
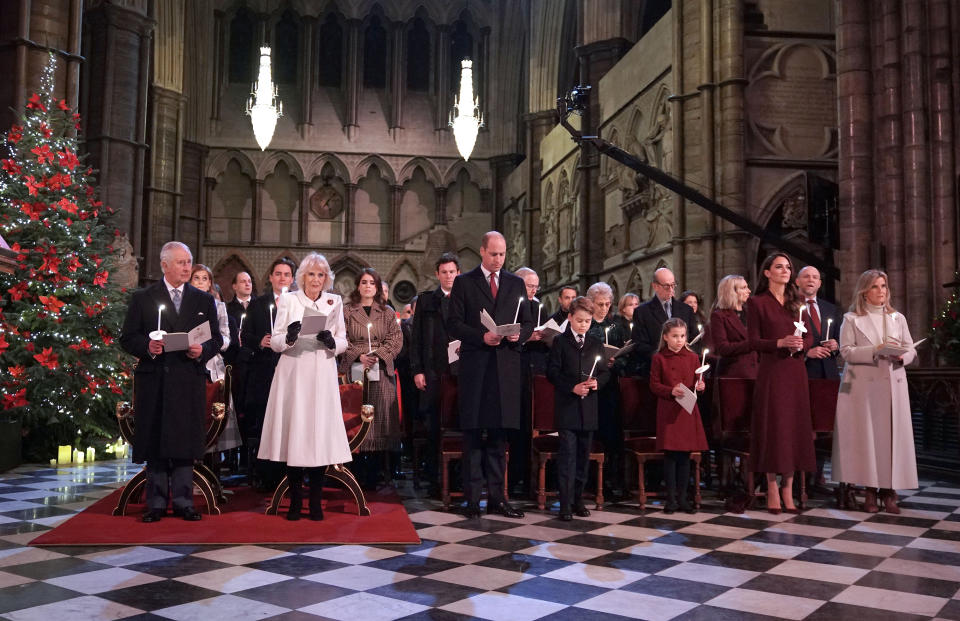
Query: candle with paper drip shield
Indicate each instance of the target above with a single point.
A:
(704, 367)
(158, 334)
(539, 311)
(606, 335)
(516, 315)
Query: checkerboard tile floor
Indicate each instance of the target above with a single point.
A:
(618, 563)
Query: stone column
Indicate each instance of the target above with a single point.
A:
(308, 70)
(304, 215)
(854, 88)
(538, 125)
(396, 198)
(118, 82)
(220, 29)
(595, 60)
(440, 206)
(943, 190)
(349, 217)
(442, 77)
(398, 82)
(257, 186)
(209, 185)
(500, 167)
(32, 29)
(353, 77)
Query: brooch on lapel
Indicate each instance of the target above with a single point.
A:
(330, 302)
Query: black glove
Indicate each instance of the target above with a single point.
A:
(293, 330)
(326, 339)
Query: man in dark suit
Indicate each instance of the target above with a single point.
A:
(262, 361)
(170, 387)
(565, 296)
(490, 371)
(428, 353)
(821, 359)
(535, 351)
(243, 295)
(649, 317)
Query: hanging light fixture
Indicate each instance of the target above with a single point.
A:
(263, 105)
(466, 124)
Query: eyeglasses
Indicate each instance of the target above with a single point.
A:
(671, 285)
(532, 287)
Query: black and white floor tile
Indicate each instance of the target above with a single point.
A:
(618, 563)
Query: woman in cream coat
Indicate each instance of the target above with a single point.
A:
(303, 425)
(873, 436)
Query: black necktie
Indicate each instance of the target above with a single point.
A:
(579, 341)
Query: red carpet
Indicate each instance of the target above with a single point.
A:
(242, 521)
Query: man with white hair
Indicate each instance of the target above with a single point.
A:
(649, 317)
(169, 387)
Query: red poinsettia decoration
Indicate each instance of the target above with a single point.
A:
(47, 358)
(33, 210)
(51, 303)
(16, 400)
(3, 344)
(16, 293)
(63, 105)
(15, 134)
(83, 345)
(16, 372)
(32, 185)
(11, 167)
(68, 159)
(35, 103)
(43, 153)
(101, 278)
(67, 205)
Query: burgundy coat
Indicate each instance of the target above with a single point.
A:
(677, 430)
(727, 338)
(781, 430)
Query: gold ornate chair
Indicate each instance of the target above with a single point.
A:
(204, 479)
(357, 418)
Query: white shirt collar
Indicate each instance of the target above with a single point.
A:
(445, 292)
(486, 274)
(171, 288)
(242, 300)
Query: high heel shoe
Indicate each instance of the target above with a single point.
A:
(773, 510)
(870, 500)
(792, 510)
(889, 499)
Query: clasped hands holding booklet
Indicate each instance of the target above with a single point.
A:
(190, 342)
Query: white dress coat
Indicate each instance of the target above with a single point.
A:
(873, 436)
(303, 424)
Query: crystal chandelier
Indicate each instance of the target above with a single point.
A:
(263, 105)
(465, 126)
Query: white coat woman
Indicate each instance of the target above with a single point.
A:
(873, 436)
(303, 424)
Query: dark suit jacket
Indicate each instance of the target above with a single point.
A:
(648, 320)
(567, 366)
(429, 338)
(489, 376)
(727, 339)
(169, 389)
(825, 368)
(535, 352)
(262, 361)
(235, 309)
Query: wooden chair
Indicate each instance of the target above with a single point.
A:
(545, 446)
(823, 413)
(733, 403)
(639, 408)
(204, 479)
(451, 440)
(357, 419)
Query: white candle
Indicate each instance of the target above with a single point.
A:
(703, 363)
(704, 360)
(159, 312)
(242, 317)
(516, 315)
(271, 319)
(631, 327)
(800, 315)
(606, 335)
(594, 367)
(369, 342)
(539, 310)
(829, 321)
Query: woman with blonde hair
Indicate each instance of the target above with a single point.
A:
(873, 435)
(726, 333)
(303, 425)
(624, 317)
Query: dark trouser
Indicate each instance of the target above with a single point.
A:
(610, 434)
(519, 467)
(179, 486)
(429, 412)
(573, 463)
(676, 474)
(295, 479)
(484, 459)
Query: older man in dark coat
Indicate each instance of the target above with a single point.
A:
(649, 317)
(491, 371)
(170, 387)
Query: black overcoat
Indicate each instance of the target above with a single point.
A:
(261, 361)
(489, 376)
(648, 320)
(567, 366)
(169, 389)
(429, 339)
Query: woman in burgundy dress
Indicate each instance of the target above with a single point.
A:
(781, 438)
(727, 331)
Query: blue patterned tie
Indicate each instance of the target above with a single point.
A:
(176, 299)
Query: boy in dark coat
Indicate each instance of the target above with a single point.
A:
(577, 369)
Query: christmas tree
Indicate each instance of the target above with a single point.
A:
(61, 369)
(946, 326)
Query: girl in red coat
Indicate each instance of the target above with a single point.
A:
(678, 432)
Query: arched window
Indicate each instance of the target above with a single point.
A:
(286, 49)
(331, 52)
(461, 46)
(418, 57)
(242, 50)
(375, 55)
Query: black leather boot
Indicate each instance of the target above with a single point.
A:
(316, 493)
(295, 479)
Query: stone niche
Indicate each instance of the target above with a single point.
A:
(791, 102)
